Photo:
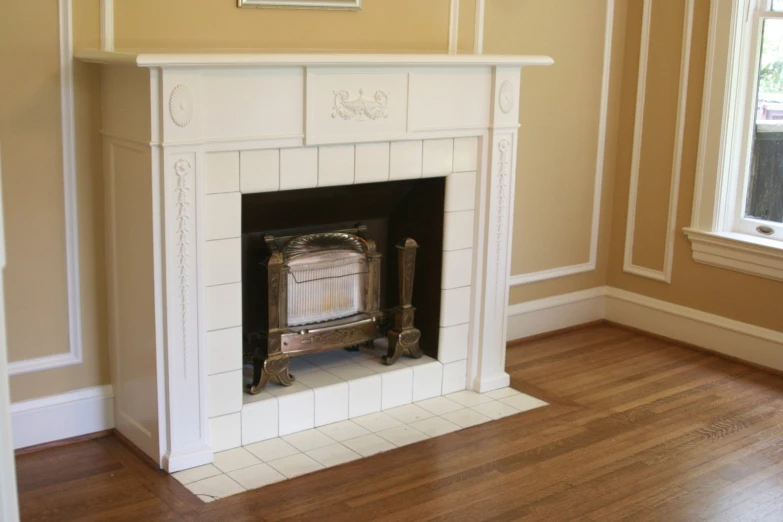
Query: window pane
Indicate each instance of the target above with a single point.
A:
(777, 5)
(765, 189)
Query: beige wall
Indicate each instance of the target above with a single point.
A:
(731, 294)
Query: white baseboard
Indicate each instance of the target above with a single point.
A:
(58, 417)
(722, 335)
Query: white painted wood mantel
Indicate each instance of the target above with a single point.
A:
(165, 113)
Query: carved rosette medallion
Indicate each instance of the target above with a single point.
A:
(182, 169)
(360, 108)
(181, 105)
(506, 97)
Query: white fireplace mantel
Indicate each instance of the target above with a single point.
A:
(186, 134)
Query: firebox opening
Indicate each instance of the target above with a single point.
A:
(390, 212)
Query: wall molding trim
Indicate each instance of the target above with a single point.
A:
(71, 219)
(453, 26)
(735, 339)
(590, 265)
(664, 275)
(107, 25)
(478, 28)
(63, 416)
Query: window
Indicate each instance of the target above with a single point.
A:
(737, 220)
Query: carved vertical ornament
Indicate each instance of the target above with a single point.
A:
(503, 172)
(182, 168)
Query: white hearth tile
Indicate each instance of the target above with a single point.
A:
(259, 171)
(224, 350)
(397, 388)
(225, 432)
(256, 476)
(495, 409)
(214, 488)
(460, 192)
(377, 366)
(347, 372)
(403, 435)
(435, 426)
(427, 381)
(232, 460)
(222, 172)
(465, 154)
(273, 449)
(278, 390)
(405, 160)
(439, 405)
(308, 440)
(224, 261)
(344, 430)
(329, 359)
(523, 402)
(364, 396)
(260, 420)
(412, 363)
(299, 365)
(377, 422)
(372, 162)
(453, 343)
(409, 413)
(468, 398)
(331, 404)
(369, 445)
(296, 465)
(455, 306)
(318, 379)
(502, 393)
(466, 418)
(333, 455)
(250, 399)
(457, 268)
(437, 158)
(298, 168)
(297, 412)
(458, 230)
(224, 393)
(455, 376)
(224, 306)
(335, 165)
(223, 216)
(196, 474)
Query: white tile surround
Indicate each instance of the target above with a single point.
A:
(353, 389)
(274, 459)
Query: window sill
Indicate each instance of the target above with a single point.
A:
(742, 253)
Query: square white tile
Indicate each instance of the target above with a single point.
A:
(466, 417)
(405, 160)
(341, 431)
(453, 343)
(495, 409)
(439, 405)
(222, 172)
(298, 168)
(296, 465)
(299, 365)
(403, 435)
(427, 380)
(397, 388)
(377, 422)
(460, 192)
(224, 261)
(296, 412)
(214, 488)
(523, 402)
(333, 455)
(318, 378)
(455, 376)
(278, 390)
(369, 445)
(331, 403)
(364, 396)
(350, 371)
(224, 393)
(224, 350)
(372, 162)
(469, 398)
(225, 432)
(455, 306)
(272, 449)
(196, 474)
(409, 413)
(223, 216)
(438, 157)
(308, 440)
(234, 459)
(335, 165)
(465, 154)
(260, 420)
(457, 268)
(502, 393)
(435, 426)
(256, 476)
(259, 171)
(458, 230)
(224, 306)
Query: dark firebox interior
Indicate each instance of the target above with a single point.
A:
(391, 211)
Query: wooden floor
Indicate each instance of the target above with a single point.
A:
(638, 429)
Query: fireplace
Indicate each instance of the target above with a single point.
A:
(206, 154)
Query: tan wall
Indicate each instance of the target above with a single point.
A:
(731, 294)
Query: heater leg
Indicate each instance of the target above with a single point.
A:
(399, 342)
(403, 336)
(275, 367)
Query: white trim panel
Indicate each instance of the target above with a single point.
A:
(739, 252)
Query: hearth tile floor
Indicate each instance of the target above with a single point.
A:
(263, 463)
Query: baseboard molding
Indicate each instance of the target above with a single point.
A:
(57, 417)
(734, 339)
